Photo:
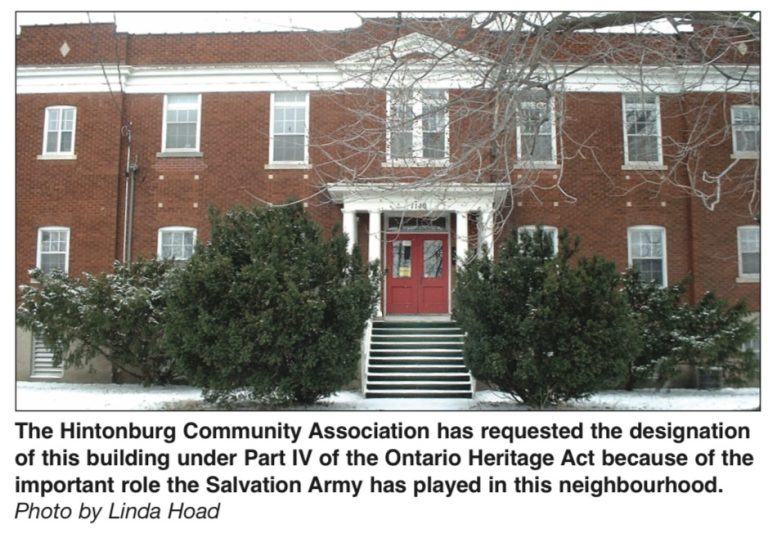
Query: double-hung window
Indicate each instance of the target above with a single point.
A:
(536, 131)
(176, 242)
(642, 130)
(549, 231)
(648, 254)
(181, 123)
(417, 127)
(53, 249)
(749, 252)
(59, 134)
(745, 124)
(290, 128)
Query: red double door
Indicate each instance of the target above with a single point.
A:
(417, 274)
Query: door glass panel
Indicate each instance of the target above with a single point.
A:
(413, 224)
(433, 259)
(401, 259)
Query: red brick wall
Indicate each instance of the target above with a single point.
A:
(86, 194)
(81, 194)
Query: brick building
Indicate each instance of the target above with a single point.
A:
(124, 140)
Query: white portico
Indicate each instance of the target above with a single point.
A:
(423, 252)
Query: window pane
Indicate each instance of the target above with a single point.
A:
(183, 99)
(649, 270)
(747, 141)
(402, 145)
(50, 261)
(51, 142)
(401, 259)
(434, 145)
(288, 148)
(643, 148)
(181, 136)
(750, 263)
(433, 259)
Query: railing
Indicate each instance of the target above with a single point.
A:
(365, 352)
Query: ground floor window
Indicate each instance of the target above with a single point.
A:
(647, 253)
(176, 243)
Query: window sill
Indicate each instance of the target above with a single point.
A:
(407, 163)
(178, 154)
(536, 165)
(745, 155)
(644, 166)
(54, 157)
(748, 279)
(287, 166)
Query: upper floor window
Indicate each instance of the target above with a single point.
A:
(181, 123)
(53, 249)
(59, 136)
(548, 231)
(648, 253)
(176, 242)
(749, 252)
(417, 127)
(745, 120)
(290, 128)
(642, 129)
(536, 130)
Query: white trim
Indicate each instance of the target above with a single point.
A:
(745, 154)
(162, 79)
(287, 164)
(59, 154)
(530, 228)
(172, 229)
(38, 258)
(663, 230)
(407, 197)
(192, 151)
(746, 277)
(637, 164)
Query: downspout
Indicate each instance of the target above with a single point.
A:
(130, 175)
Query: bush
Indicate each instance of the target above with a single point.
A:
(271, 307)
(710, 333)
(539, 327)
(117, 315)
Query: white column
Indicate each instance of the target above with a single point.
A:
(462, 236)
(374, 236)
(349, 225)
(485, 231)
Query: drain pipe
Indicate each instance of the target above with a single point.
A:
(130, 180)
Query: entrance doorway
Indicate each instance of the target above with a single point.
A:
(417, 273)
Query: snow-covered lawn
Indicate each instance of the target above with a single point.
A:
(67, 396)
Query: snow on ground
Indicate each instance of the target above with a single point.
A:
(32, 396)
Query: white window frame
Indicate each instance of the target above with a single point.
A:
(744, 154)
(750, 277)
(293, 164)
(199, 109)
(58, 153)
(530, 229)
(662, 229)
(39, 255)
(631, 164)
(523, 160)
(417, 159)
(175, 229)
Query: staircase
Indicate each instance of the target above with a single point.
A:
(417, 360)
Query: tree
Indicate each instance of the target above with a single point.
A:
(510, 75)
(118, 315)
(541, 328)
(706, 334)
(658, 312)
(269, 307)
